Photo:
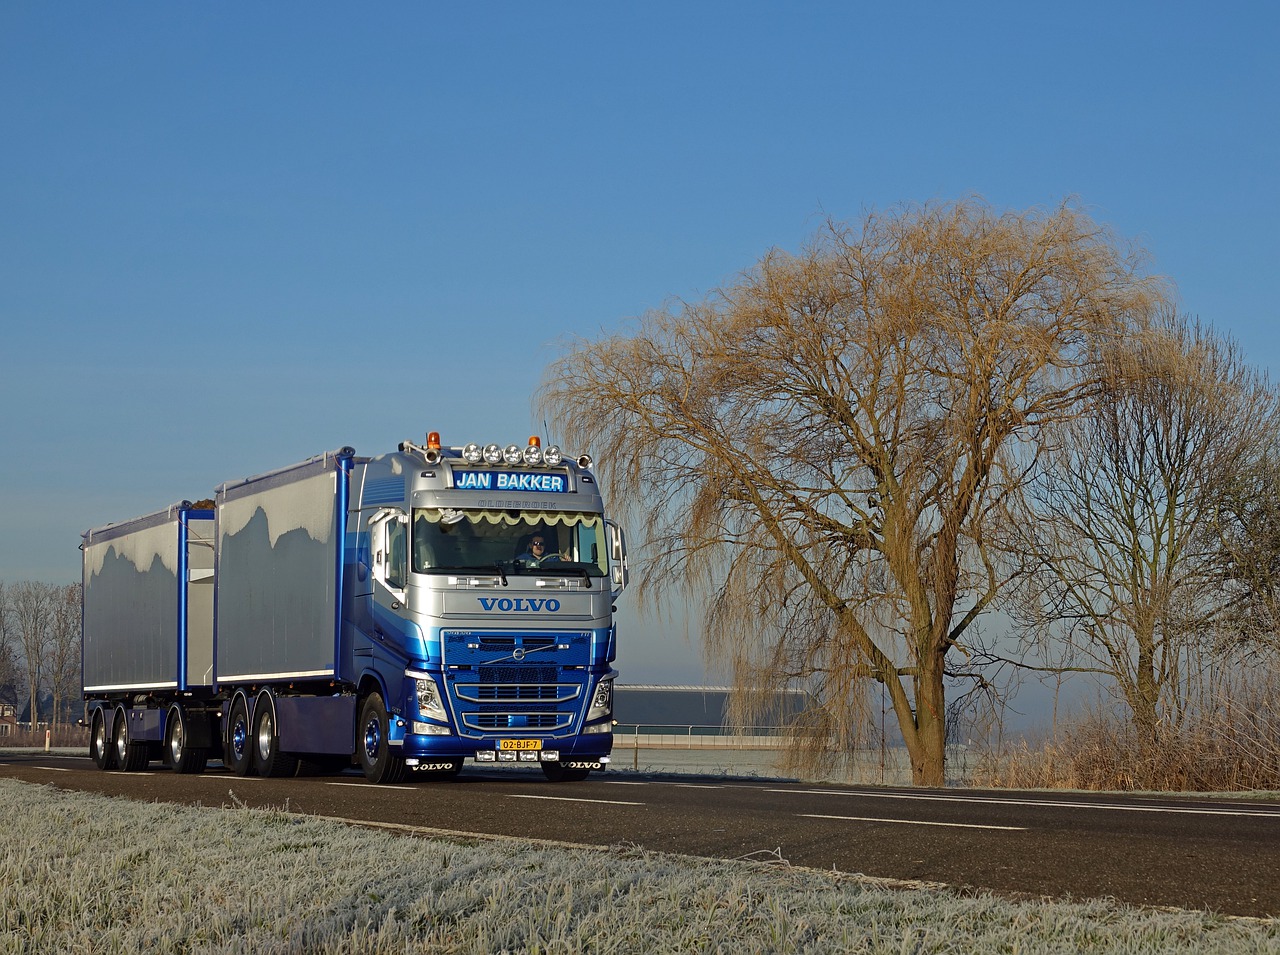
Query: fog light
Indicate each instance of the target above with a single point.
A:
(485, 756)
(551, 755)
(528, 756)
(506, 756)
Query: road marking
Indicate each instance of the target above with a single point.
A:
(56, 769)
(375, 786)
(622, 782)
(603, 802)
(1046, 803)
(911, 822)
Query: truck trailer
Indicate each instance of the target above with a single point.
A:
(403, 613)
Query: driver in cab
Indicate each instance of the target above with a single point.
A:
(536, 555)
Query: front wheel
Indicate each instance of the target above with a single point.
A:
(373, 747)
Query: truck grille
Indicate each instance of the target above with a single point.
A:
(491, 722)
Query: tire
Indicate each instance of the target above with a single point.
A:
(237, 751)
(559, 773)
(130, 756)
(266, 741)
(373, 751)
(180, 754)
(101, 748)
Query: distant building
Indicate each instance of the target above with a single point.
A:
(651, 707)
(8, 720)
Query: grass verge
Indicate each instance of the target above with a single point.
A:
(85, 873)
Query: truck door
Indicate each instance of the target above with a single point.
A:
(389, 546)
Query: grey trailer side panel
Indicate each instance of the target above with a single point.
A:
(131, 623)
(200, 603)
(277, 595)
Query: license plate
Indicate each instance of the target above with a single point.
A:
(520, 744)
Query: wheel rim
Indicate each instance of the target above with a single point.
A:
(176, 741)
(239, 737)
(99, 737)
(266, 730)
(372, 739)
(122, 741)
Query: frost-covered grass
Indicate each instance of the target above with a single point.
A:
(84, 873)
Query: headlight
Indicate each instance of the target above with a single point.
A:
(602, 702)
(492, 454)
(429, 704)
(472, 453)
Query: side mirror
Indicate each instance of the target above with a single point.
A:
(619, 572)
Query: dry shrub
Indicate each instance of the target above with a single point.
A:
(1232, 747)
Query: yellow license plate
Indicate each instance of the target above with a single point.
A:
(520, 744)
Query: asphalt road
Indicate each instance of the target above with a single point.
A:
(1219, 855)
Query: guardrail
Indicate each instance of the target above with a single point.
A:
(695, 736)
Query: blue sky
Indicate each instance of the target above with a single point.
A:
(234, 235)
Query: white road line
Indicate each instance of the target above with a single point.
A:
(604, 802)
(375, 786)
(1046, 803)
(911, 822)
(622, 782)
(56, 769)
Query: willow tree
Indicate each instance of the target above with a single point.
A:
(819, 453)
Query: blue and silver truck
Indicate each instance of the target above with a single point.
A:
(402, 613)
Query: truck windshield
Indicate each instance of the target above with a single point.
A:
(530, 542)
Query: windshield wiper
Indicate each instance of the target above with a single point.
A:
(474, 569)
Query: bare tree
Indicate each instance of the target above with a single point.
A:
(64, 650)
(820, 452)
(31, 603)
(10, 671)
(1251, 537)
(1127, 516)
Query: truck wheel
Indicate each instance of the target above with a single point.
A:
(266, 736)
(100, 748)
(559, 773)
(373, 749)
(183, 758)
(238, 751)
(130, 756)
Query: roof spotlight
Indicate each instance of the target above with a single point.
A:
(472, 453)
(552, 455)
(533, 454)
(492, 454)
(513, 454)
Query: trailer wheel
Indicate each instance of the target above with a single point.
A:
(559, 773)
(373, 748)
(100, 748)
(266, 735)
(238, 751)
(130, 756)
(183, 757)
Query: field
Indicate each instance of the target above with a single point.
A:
(82, 873)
